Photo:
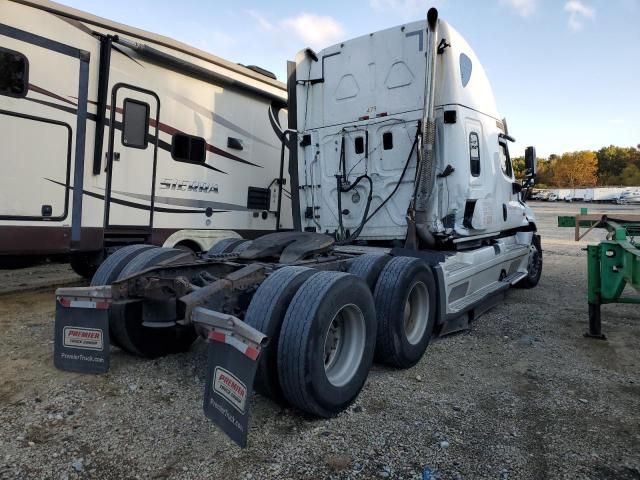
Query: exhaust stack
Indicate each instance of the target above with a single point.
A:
(426, 178)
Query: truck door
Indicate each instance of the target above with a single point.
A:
(133, 144)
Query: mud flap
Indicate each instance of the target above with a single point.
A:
(232, 361)
(82, 329)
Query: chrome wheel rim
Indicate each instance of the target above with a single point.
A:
(416, 313)
(344, 345)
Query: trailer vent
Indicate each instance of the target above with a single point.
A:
(14, 73)
(234, 143)
(188, 148)
(258, 198)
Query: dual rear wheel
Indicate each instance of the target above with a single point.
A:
(326, 327)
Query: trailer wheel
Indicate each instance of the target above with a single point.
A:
(226, 245)
(326, 345)
(86, 264)
(109, 270)
(133, 337)
(405, 305)
(266, 313)
(535, 265)
(125, 321)
(368, 268)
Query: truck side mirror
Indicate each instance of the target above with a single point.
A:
(530, 162)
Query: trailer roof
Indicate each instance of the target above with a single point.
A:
(69, 12)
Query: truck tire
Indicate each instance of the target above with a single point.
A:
(226, 245)
(266, 313)
(368, 268)
(109, 270)
(535, 265)
(147, 259)
(125, 320)
(133, 337)
(326, 344)
(405, 304)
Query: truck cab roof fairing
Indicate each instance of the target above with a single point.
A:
(463, 82)
(402, 74)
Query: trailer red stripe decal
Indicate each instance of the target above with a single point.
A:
(47, 93)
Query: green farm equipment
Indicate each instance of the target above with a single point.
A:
(612, 264)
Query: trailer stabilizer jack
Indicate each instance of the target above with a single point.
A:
(232, 361)
(595, 323)
(82, 329)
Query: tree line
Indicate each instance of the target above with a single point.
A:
(609, 166)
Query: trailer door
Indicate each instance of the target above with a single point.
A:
(133, 144)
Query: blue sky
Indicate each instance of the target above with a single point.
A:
(565, 73)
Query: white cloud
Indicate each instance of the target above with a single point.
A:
(317, 31)
(263, 23)
(524, 8)
(578, 13)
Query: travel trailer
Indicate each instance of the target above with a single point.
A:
(110, 135)
(408, 223)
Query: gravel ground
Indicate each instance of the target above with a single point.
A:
(44, 275)
(521, 395)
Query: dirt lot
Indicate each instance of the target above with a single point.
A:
(521, 395)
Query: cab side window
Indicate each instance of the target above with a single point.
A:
(474, 154)
(505, 160)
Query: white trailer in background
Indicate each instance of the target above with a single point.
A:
(589, 194)
(111, 135)
(607, 194)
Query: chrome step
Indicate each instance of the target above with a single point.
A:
(514, 278)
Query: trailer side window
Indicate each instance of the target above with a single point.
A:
(188, 148)
(14, 73)
(474, 154)
(359, 145)
(135, 123)
(505, 160)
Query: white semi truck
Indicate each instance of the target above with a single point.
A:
(408, 223)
